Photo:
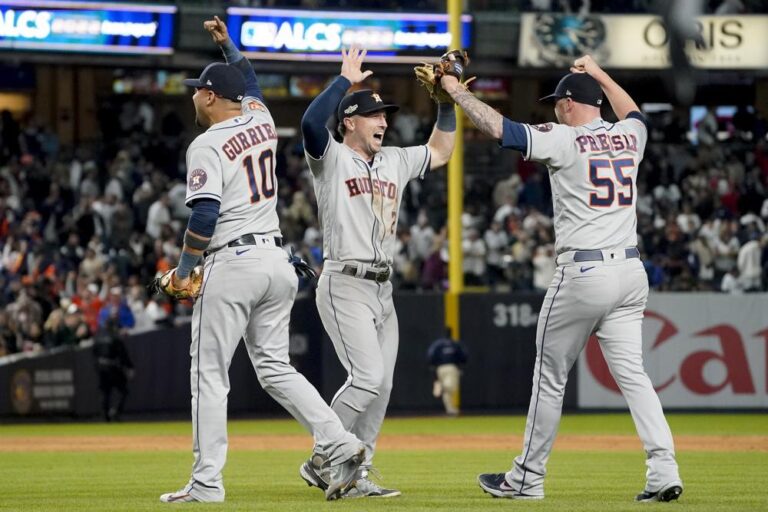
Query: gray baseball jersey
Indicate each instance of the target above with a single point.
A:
(358, 207)
(593, 170)
(248, 292)
(359, 203)
(234, 163)
(599, 286)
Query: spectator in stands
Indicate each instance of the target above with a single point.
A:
(158, 216)
(117, 308)
(543, 267)
(731, 283)
(422, 237)
(749, 265)
(89, 303)
(8, 337)
(707, 128)
(497, 243)
(474, 258)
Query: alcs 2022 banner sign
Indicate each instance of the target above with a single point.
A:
(700, 351)
(86, 27)
(320, 35)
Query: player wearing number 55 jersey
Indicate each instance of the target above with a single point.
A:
(249, 284)
(600, 284)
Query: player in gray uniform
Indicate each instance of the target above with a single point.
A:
(359, 185)
(249, 284)
(600, 284)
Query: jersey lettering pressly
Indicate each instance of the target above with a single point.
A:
(234, 162)
(593, 171)
(359, 203)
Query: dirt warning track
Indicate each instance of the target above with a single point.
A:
(683, 443)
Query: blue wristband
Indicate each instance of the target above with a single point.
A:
(187, 262)
(446, 117)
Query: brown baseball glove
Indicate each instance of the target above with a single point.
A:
(451, 63)
(164, 284)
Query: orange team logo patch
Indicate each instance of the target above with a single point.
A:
(545, 127)
(255, 105)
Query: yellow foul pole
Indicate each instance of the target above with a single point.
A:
(455, 195)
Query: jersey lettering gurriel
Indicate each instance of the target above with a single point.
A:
(593, 171)
(358, 203)
(234, 162)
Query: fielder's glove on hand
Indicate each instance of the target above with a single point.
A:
(429, 75)
(164, 284)
(302, 268)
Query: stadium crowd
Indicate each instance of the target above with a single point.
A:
(83, 230)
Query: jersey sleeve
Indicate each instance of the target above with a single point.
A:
(548, 143)
(204, 174)
(636, 125)
(415, 161)
(323, 166)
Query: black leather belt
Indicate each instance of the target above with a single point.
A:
(250, 239)
(379, 277)
(629, 252)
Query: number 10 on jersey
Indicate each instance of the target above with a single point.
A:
(267, 167)
(608, 175)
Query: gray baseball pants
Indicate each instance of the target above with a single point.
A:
(248, 293)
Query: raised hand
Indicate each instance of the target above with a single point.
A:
(351, 62)
(585, 64)
(217, 29)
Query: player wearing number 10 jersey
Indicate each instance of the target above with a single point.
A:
(600, 284)
(249, 282)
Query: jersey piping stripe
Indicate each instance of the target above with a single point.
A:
(538, 385)
(427, 160)
(601, 127)
(343, 344)
(198, 482)
(381, 211)
(373, 211)
(374, 393)
(233, 126)
(528, 141)
(199, 340)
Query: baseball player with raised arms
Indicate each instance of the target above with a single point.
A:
(600, 285)
(359, 185)
(249, 284)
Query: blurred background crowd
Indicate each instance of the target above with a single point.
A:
(83, 230)
(85, 227)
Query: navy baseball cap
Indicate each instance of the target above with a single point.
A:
(363, 102)
(226, 81)
(580, 87)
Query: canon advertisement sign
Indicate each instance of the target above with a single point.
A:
(700, 351)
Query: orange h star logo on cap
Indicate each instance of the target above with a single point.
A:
(376, 97)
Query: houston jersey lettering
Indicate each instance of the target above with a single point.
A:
(359, 202)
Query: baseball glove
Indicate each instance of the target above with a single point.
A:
(164, 284)
(429, 75)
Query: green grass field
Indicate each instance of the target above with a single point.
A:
(434, 480)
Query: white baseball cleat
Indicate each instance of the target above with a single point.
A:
(181, 496)
(341, 477)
